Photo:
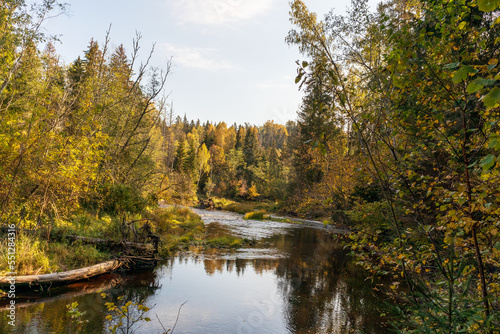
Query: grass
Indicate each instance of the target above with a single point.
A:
(256, 215)
(87, 225)
(225, 242)
(35, 255)
(244, 207)
(178, 228)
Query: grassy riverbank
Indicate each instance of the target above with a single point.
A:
(264, 210)
(49, 250)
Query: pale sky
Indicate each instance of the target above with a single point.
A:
(230, 59)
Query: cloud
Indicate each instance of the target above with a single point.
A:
(219, 12)
(198, 58)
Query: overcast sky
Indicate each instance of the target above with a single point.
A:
(230, 60)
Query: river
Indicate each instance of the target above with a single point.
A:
(293, 279)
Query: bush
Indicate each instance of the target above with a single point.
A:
(256, 215)
(370, 216)
(31, 256)
(225, 242)
(171, 219)
(240, 208)
(73, 256)
(117, 198)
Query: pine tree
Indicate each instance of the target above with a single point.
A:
(180, 156)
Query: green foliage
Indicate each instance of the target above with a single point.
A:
(31, 256)
(178, 228)
(224, 242)
(122, 198)
(123, 316)
(35, 255)
(416, 85)
(241, 208)
(73, 256)
(76, 317)
(87, 133)
(371, 217)
(174, 218)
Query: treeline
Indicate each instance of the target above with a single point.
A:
(404, 102)
(240, 161)
(275, 162)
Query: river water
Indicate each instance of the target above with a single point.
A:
(293, 279)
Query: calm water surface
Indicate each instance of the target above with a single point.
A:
(296, 279)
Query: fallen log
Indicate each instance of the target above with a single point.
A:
(65, 276)
(28, 298)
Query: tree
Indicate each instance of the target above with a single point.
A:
(415, 84)
(202, 162)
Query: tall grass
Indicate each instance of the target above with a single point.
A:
(256, 215)
(31, 255)
(35, 255)
(178, 227)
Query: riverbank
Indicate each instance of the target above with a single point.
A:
(272, 210)
(294, 276)
(67, 245)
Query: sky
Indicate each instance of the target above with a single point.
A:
(230, 61)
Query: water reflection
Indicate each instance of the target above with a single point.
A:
(294, 280)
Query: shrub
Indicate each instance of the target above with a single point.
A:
(171, 219)
(225, 242)
(31, 256)
(117, 198)
(256, 215)
(370, 216)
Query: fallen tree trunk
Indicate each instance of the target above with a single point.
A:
(28, 298)
(65, 276)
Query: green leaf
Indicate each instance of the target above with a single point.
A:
(487, 5)
(451, 66)
(494, 144)
(474, 87)
(463, 73)
(491, 99)
(478, 84)
(462, 25)
(487, 162)
(497, 245)
(332, 75)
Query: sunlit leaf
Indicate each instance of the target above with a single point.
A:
(478, 84)
(491, 99)
(463, 73)
(488, 161)
(487, 5)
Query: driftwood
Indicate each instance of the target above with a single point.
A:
(29, 299)
(66, 276)
(209, 205)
